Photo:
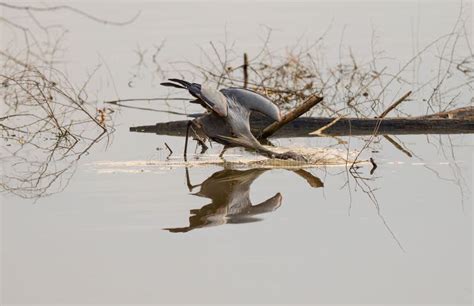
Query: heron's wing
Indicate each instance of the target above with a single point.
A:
(253, 101)
(214, 99)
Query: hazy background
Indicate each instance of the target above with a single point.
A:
(101, 239)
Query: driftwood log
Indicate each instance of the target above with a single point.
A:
(458, 121)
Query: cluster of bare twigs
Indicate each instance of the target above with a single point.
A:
(350, 87)
(374, 87)
(46, 123)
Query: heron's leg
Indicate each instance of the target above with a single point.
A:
(200, 140)
(186, 141)
(204, 147)
(221, 155)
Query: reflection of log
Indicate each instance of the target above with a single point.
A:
(301, 127)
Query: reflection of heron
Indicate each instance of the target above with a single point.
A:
(229, 191)
(227, 121)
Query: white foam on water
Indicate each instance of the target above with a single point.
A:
(315, 157)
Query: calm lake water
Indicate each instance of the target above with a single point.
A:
(121, 232)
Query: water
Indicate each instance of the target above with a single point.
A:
(105, 238)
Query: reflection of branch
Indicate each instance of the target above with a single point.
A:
(458, 179)
(46, 124)
(312, 180)
(397, 145)
(374, 166)
(362, 182)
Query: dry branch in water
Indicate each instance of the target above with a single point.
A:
(394, 105)
(341, 126)
(292, 115)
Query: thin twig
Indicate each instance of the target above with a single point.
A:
(394, 104)
(144, 99)
(245, 69)
(169, 149)
(72, 9)
(322, 129)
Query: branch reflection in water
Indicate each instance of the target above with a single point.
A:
(48, 119)
(229, 191)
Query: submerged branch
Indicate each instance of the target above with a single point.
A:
(302, 127)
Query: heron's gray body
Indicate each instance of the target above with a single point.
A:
(227, 119)
(235, 125)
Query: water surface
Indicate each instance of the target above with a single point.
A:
(136, 233)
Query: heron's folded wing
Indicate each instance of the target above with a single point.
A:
(214, 99)
(253, 101)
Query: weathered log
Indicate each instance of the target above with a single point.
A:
(301, 127)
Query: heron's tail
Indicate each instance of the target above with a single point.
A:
(177, 83)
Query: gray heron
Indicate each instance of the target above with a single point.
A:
(227, 119)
